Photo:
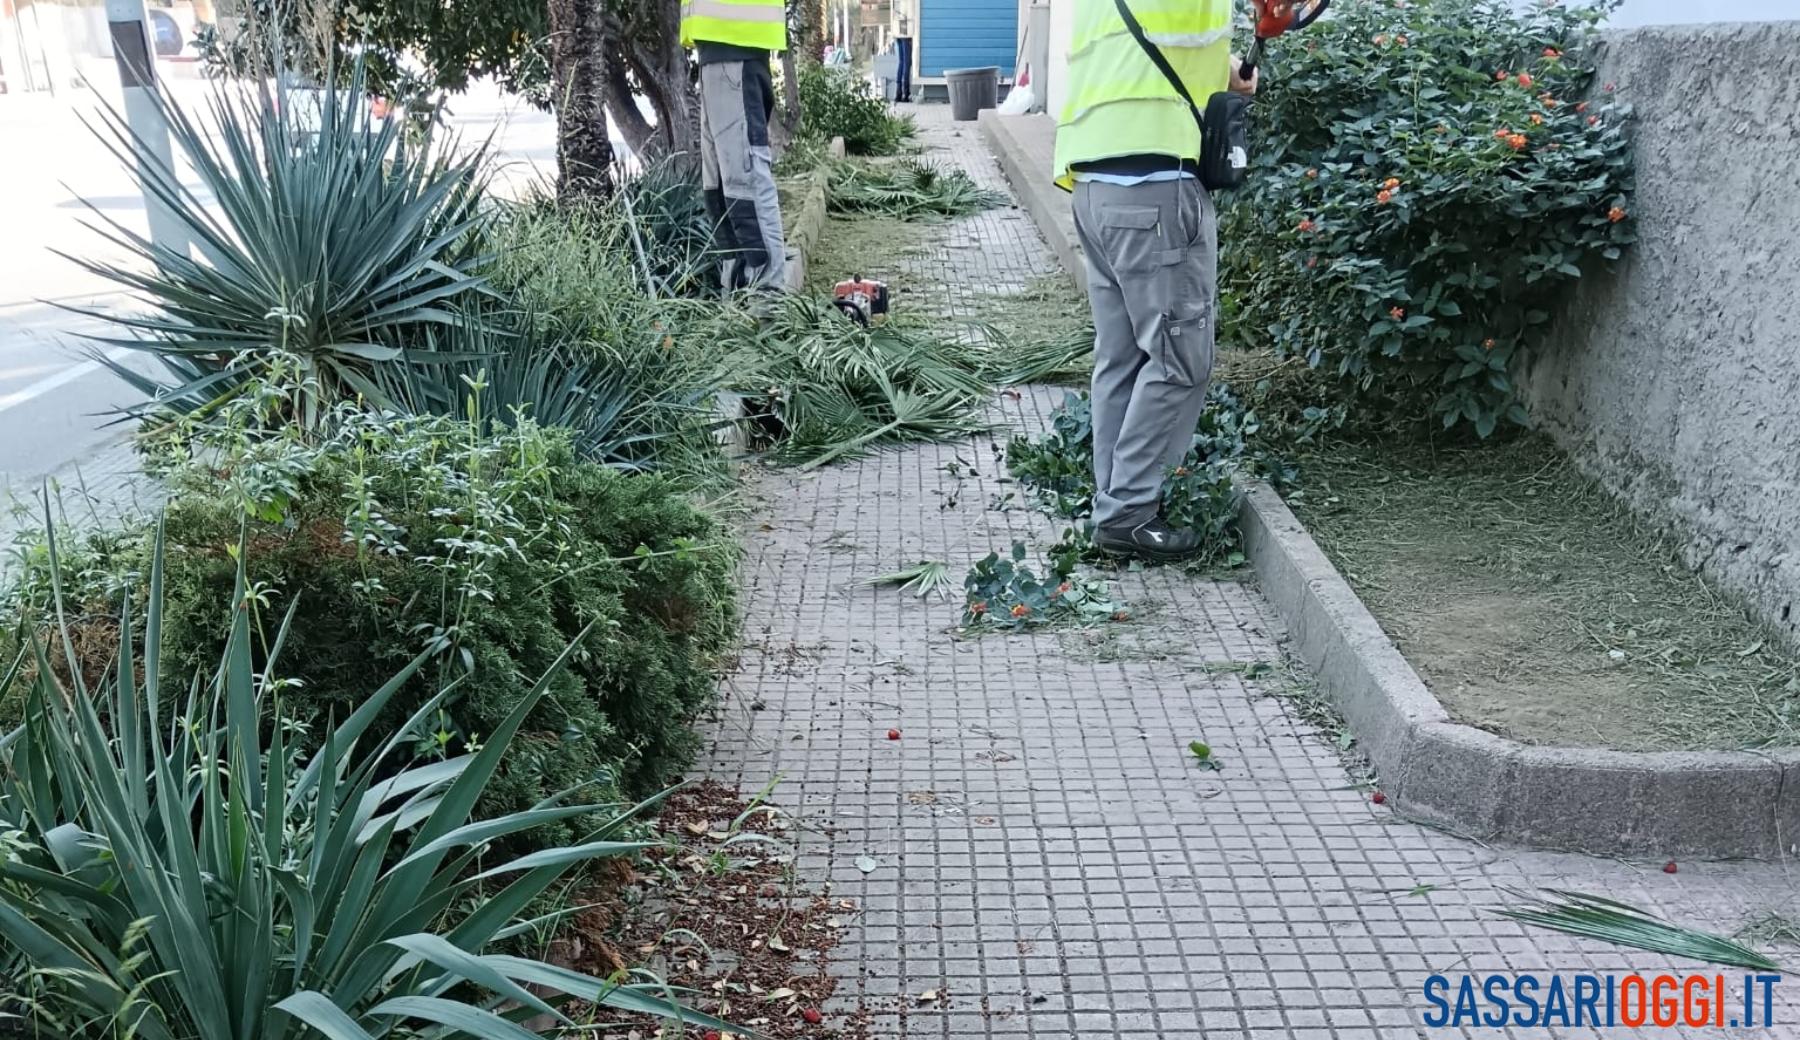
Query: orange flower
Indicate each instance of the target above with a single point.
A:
(978, 608)
(1380, 39)
(1582, 107)
(1312, 175)
(1501, 76)
(1384, 196)
(1537, 120)
(1517, 141)
(1503, 133)
(1525, 79)
(1552, 53)
(1181, 471)
(1304, 225)
(1397, 313)
(1487, 344)
(1615, 214)
(1401, 40)
(1593, 120)
(1063, 589)
(1020, 610)
(1391, 182)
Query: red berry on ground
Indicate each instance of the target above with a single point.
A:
(1378, 798)
(1669, 867)
(812, 1016)
(712, 1034)
(893, 734)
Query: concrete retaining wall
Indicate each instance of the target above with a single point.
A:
(1676, 378)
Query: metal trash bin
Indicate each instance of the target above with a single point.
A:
(972, 90)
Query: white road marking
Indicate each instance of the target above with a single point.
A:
(63, 378)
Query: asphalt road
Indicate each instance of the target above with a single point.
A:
(57, 404)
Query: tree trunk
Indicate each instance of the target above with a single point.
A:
(790, 93)
(578, 85)
(661, 66)
(646, 141)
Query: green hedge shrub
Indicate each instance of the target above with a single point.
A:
(834, 102)
(176, 865)
(1430, 177)
(493, 551)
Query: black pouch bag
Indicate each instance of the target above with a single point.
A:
(1224, 126)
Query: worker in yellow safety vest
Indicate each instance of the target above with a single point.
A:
(1128, 146)
(734, 40)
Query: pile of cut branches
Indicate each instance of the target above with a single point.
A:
(909, 190)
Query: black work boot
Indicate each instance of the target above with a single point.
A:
(1152, 540)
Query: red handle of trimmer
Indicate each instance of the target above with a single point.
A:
(1275, 17)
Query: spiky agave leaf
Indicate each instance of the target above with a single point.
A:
(1608, 920)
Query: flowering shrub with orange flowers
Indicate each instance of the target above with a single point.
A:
(1431, 176)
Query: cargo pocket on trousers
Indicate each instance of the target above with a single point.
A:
(1187, 348)
(1132, 238)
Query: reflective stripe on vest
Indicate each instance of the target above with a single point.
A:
(745, 23)
(1117, 102)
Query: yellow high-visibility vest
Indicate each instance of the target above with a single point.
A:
(746, 23)
(1118, 103)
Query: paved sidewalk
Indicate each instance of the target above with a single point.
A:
(1048, 861)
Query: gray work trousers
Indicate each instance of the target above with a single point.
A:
(736, 171)
(1152, 272)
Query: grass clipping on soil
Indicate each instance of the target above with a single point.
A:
(1538, 607)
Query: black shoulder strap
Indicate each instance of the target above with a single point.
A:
(1161, 62)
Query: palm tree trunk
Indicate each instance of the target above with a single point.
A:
(584, 156)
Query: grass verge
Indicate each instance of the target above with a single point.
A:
(1536, 606)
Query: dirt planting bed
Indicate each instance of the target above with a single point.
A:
(1537, 608)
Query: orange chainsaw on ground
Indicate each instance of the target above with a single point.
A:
(861, 299)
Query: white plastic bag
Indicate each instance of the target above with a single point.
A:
(1021, 98)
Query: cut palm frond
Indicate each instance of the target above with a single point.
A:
(922, 579)
(823, 388)
(1596, 917)
(909, 189)
(1065, 362)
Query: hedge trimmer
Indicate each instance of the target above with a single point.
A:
(1225, 123)
(1277, 18)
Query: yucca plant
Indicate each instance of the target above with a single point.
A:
(329, 236)
(176, 867)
